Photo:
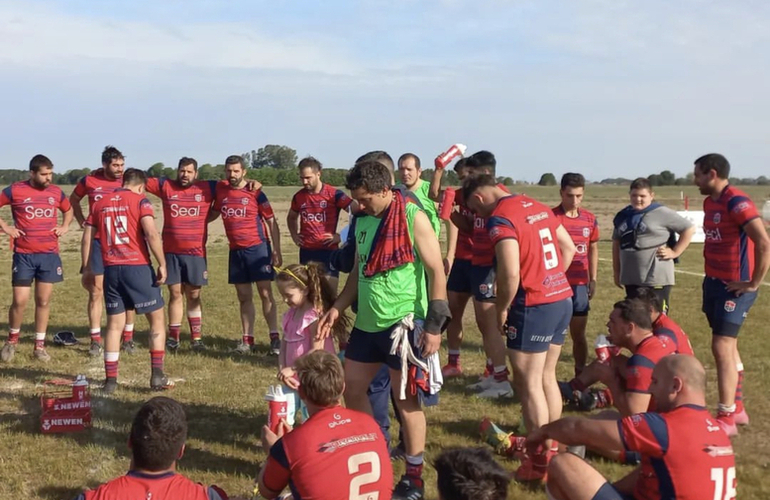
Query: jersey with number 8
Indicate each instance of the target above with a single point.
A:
(337, 454)
(534, 226)
(117, 217)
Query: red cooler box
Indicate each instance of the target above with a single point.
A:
(66, 406)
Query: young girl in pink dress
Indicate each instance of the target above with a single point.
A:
(307, 292)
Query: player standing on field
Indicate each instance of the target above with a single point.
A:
(534, 300)
(581, 275)
(35, 204)
(245, 214)
(95, 185)
(737, 257)
(186, 205)
(126, 223)
(317, 208)
(409, 170)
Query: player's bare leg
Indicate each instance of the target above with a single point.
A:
(725, 351)
(175, 313)
(528, 373)
(571, 478)
(194, 315)
(457, 304)
(551, 384)
(577, 331)
(158, 381)
(358, 376)
(112, 338)
(43, 293)
(19, 303)
(497, 385)
(265, 290)
(245, 294)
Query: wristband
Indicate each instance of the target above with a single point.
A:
(438, 316)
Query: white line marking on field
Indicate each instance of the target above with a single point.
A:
(680, 271)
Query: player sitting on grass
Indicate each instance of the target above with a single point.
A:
(157, 441)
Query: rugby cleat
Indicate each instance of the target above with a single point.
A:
(41, 355)
(450, 371)
(408, 489)
(567, 392)
(8, 352)
(501, 389)
(197, 345)
(727, 423)
(275, 347)
(160, 382)
(110, 386)
(241, 348)
(127, 346)
(741, 417)
(96, 349)
(172, 346)
(482, 384)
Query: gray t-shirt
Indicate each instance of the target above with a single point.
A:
(642, 267)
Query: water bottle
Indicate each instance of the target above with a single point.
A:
(80, 388)
(447, 202)
(277, 406)
(450, 154)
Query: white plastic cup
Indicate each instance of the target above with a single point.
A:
(602, 347)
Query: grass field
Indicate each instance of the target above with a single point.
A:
(223, 392)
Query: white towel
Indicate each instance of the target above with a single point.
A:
(401, 347)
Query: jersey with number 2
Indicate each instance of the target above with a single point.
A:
(533, 225)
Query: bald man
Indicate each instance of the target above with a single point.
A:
(685, 454)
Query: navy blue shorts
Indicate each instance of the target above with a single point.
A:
(187, 269)
(483, 283)
(580, 303)
(95, 259)
(460, 277)
(249, 265)
(535, 328)
(42, 267)
(608, 492)
(725, 312)
(374, 347)
(131, 287)
(322, 256)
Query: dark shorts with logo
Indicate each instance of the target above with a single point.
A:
(42, 267)
(131, 287)
(535, 328)
(249, 265)
(187, 269)
(483, 283)
(724, 310)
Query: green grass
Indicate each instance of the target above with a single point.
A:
(223, 393)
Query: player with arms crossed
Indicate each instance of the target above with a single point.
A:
(245, 214)
(95, 185)
(397, 251)
(186, 206)
(126, 222)
(337, 453)
(534, 299)
(581, 275)
(316, 210)
(737, 257)
(35, 206)
(684, 453)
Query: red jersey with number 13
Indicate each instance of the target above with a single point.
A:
(534, 226)
(117, 218)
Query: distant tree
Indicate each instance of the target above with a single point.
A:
(507, 181)
(169, 173)
(287, 177)
(274, 156)
(763, 181)
(156, 170)
(547, 179)
(667, 178)
(655, 180)
(208, 172)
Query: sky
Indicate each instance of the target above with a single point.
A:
(608, 88)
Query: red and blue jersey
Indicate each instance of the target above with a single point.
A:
(319, 214)
(685, 455)
(139, 486)
(728, 251)
(584, 230)
(483, 247)
(638, 374)
(464, 249)
(36, 213)
(117, 218)
(243, 214)
(667, 327)
(185, 213)
(337, 453)
(534, 226)
(95, 185)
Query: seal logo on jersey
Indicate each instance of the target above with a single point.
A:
(198, 198)
(244, 201)
(323, 203)
(717, 218)
(51, 201)
(729, 306)
(494, 232)
(586, 232)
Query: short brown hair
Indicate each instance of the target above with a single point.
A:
(184, 161)
(39, 161)
(311, 163)
(636, 311)
(233, 159)
(321, 378)
(641, 183)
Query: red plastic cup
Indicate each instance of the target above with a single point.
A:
(602, 347)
